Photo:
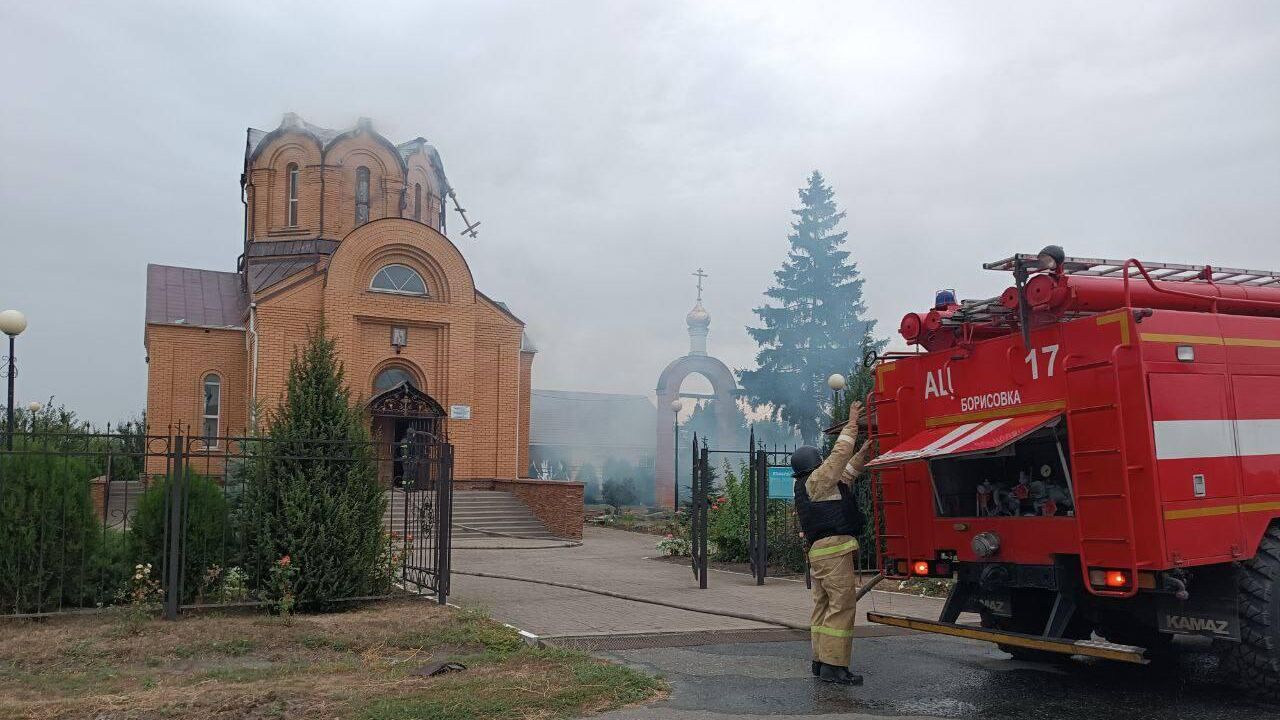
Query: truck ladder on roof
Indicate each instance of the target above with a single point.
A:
(1168, 272)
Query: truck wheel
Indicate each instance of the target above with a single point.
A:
(1256, 659)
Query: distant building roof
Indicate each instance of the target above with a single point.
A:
(188, 296)
(586, 419)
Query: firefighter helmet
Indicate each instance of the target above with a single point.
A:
(805, 460)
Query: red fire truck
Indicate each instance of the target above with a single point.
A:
(1095, 452)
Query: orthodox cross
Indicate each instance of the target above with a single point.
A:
(700, 275)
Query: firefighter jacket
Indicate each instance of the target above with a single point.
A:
(825, 503)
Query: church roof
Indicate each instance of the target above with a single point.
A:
(325, 136)
(586, 419)
(189, 296)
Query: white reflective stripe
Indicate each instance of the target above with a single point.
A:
(1179, 439)
(1258, 437)
(981, 432)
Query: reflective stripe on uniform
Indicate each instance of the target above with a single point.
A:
(833, 632)
(833, 550)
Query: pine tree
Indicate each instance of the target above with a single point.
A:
(817, 326)
(312, 490)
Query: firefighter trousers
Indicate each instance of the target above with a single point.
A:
(835, 586)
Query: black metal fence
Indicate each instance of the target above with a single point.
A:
(774, 543)
(90, 520)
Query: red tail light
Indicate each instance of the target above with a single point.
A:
(1110, 579)
(920, 567)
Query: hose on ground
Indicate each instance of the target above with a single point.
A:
(562, 544)
(665, 603)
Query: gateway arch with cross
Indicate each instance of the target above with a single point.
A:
(724, 393)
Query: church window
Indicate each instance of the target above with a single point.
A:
(362, 195)
(212, 408)
(392, 377)
(397, 278)
(417, 202)
(292, 171)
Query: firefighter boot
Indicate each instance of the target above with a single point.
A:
(815, 667)
(838, 675)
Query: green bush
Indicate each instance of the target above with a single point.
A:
(49, 536)
(204, 542)
(311, 490)
(729, 511)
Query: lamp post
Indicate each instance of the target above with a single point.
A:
(836, 383)
(12, 323)
(32, 409)
(676, 405)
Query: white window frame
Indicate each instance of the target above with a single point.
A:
(426, 290)
(205, 417)
(294, 175)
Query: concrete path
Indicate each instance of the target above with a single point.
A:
(615, 560)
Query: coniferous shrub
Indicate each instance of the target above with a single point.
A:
(204, 542)
(49, 536)
(312, 492)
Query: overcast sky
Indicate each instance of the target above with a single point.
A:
(611, 148)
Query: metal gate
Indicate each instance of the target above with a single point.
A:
(701, 489)
(426, 520)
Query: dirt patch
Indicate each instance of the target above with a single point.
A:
(355, 664)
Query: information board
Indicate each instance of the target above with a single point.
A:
(781, 484)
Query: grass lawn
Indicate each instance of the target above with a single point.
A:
(358, 664)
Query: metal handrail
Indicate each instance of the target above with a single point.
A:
(1212, 299)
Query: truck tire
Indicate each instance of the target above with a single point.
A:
(1255, 660)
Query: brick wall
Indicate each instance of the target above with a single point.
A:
(557, 504)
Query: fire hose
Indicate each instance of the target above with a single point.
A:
(562, 544)
(866, 588)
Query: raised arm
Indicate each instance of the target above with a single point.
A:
(844, 463)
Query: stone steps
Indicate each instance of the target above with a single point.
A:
(480, 510)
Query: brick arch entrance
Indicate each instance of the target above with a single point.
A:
(398, 411)
(724, 393)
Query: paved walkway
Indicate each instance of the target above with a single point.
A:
(614, 560)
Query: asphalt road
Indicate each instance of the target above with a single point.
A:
(930, 676)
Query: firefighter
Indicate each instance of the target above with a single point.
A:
(831, 522)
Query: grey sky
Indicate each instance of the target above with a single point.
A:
(611, 148)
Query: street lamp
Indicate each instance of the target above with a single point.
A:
(836, 383)
(12, 323)
(33, 408)
(676, 405)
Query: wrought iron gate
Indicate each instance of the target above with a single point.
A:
(426, 519)
(701, 489)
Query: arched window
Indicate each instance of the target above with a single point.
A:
(362, 195)
(417, 202)
(212, 407)
(391, 377)
(397, 278)
(292, 172)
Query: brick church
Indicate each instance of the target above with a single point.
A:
(349, 227)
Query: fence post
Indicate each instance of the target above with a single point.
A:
(760, 520)
(444, 504)
(173, 527)
(704, 461)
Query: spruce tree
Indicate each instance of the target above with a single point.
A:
(816, 326)
(312, 490)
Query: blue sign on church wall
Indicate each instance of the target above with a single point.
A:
(781, 484)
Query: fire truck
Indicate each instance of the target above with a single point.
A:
(1094, 457)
